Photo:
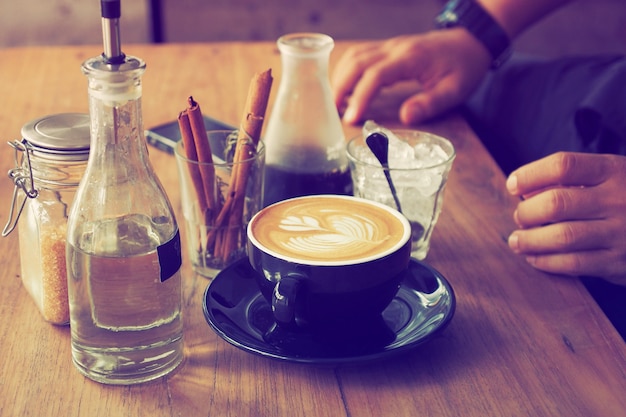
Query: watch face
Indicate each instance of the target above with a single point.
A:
(462, 13)
(447, 19)
(449, 16)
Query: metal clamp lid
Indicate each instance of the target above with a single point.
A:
(23, 180)
(59, 136)
(62, 137)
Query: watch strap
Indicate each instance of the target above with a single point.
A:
(473, 17)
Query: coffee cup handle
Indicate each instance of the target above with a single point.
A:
(284, 299)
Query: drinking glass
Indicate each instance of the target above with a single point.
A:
(419, 164)
(216, 232)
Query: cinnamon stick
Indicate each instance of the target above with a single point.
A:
(189, 146)
(205, 156)
(225, 221)
(247, 141)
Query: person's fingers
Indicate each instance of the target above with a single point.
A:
(600, 263)
(430, 103)
(380, 74)
(364, 91)
(561, 204)
(350, 68)
(349, 71)
(562, 237)
(573, 263)
(574, 248)
(558, 169)
(448, 65)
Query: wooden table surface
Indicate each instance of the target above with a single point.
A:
(522, 343)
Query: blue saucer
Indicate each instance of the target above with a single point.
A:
(236, 310)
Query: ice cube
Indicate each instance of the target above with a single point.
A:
(370, 127)
(399, 151)
(429, 154)
(428, 182)
(365, 155)
(402, 155)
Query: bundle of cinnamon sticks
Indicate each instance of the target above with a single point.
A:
(224, 215)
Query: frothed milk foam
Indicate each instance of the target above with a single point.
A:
(329, 229)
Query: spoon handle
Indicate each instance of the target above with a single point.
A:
(392, 188)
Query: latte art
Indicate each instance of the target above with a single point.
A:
(333, 230)
(327, 229)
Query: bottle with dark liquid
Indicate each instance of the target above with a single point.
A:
(304, 138)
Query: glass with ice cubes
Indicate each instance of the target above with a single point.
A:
(418, 163)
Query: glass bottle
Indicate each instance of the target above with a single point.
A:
(49, 163)
(305, 143)
(123, 242)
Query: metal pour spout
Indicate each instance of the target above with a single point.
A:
(111, 13)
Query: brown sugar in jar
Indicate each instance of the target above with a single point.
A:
(50, 161)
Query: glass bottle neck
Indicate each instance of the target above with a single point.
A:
(115, 112)
(305, 57)
(304, 131)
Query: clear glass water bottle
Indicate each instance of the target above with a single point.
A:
(123, 242)
(305, 143)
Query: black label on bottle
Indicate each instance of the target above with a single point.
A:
(170, 258)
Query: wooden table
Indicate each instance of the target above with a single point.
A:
(521, 343)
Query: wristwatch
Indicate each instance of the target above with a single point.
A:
(473, 17)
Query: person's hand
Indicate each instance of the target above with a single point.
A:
(573, 215)
(448, 64)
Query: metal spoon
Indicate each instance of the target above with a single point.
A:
(379, 145)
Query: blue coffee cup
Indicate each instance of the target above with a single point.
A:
(326, 259)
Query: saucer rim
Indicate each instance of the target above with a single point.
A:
(386, 351)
